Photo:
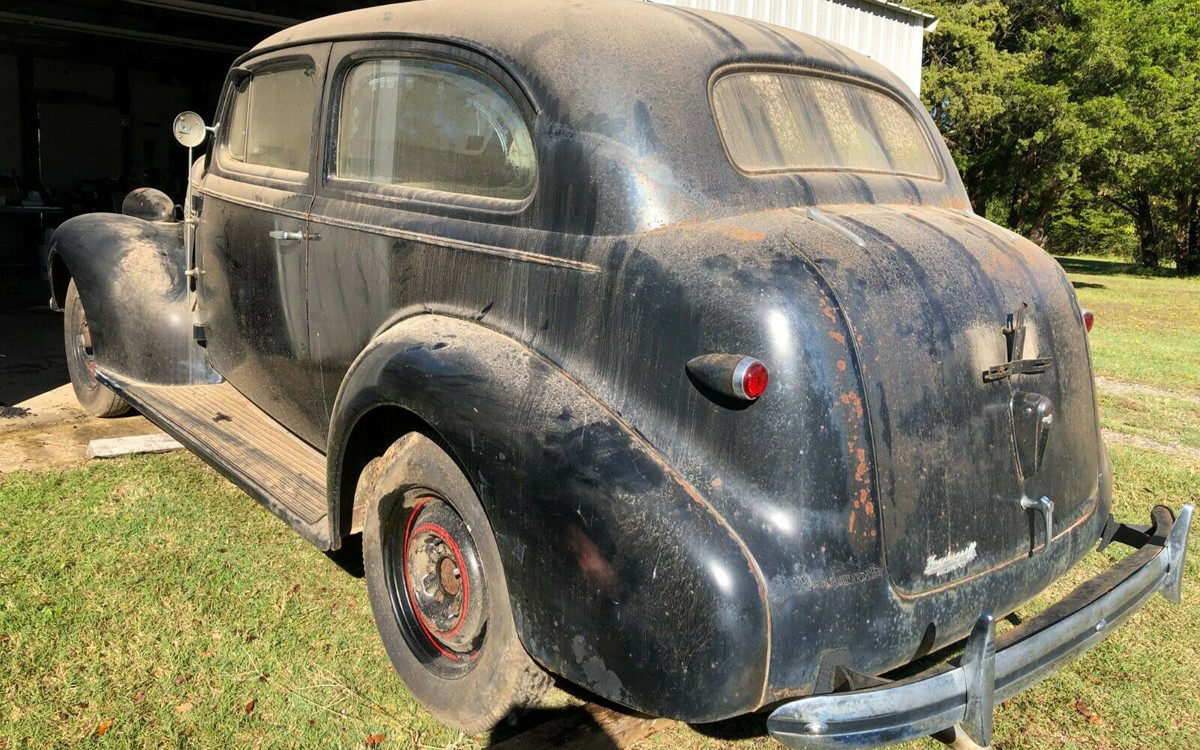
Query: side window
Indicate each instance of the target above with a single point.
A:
(270, 122)
(433, 126)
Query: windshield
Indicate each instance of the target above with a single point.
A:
(776, 121)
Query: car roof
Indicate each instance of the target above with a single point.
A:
(565, 42)
(621, 91)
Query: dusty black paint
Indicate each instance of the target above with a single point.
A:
(664, 551)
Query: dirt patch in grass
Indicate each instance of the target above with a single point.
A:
(1125, 388)
(1190, 455)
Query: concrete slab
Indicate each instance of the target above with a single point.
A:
(41, 423)
(47, 445)
(159, 442)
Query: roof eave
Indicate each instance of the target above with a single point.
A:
(928, 20)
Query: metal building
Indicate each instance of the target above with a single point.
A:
(890, 33)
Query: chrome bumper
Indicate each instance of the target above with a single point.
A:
(962, 695)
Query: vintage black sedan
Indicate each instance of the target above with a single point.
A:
(654, 349)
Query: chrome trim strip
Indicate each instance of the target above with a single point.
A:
(475, 247)
(290, 213)
(824, 220)
(405, 234)
(960, 697)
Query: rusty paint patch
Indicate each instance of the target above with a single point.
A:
(741, 234)
(837, 337)
(827, 311)
(850, 398)
(861, 471)
(841, 365)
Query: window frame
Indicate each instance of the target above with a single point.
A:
(242, 170)
(918, 119)
(367, 191)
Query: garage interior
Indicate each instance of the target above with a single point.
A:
(88, 91)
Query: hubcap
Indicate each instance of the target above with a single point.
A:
(85, 358)
(437, 584)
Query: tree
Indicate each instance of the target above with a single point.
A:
(1075, 121)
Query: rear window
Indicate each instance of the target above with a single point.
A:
(775, 121)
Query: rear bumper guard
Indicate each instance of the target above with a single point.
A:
(961, 695)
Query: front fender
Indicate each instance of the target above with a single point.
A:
(131, 276)
(623, 578)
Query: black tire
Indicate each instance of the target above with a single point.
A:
(93, 396)
(437, 589)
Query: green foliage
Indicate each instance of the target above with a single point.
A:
(1074, 121)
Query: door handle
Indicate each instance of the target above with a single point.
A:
(279, 234)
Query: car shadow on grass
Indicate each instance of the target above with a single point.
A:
(1094, 266)
(350, 557)
(595, 725)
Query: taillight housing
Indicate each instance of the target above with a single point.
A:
(1088, 318)
(734, 375)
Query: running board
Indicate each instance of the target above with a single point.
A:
(244, 443)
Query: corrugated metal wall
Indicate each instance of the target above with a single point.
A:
(893, 36)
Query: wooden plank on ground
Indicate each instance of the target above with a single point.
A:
(127, 446)
(590, 727)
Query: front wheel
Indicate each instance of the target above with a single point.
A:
(94, 397)
(437, 589)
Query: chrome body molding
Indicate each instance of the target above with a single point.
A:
(405, 234)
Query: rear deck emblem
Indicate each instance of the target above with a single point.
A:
(1014, 331)
(937, 566)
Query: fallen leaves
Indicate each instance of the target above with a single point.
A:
(250, 706)
(374, 740)
(103, 728)
(1088, 713)
(184, 708)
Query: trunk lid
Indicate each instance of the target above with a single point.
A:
(935, 299)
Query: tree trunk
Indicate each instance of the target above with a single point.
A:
(1147, 230)
(1187, 253)
(1041, 219)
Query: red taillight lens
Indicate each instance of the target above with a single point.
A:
(754, 380)
(730, 375)
(1088, 319)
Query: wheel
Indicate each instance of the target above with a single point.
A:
(94, 397)
(438, 592)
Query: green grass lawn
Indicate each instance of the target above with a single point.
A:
(145, 602)
(1147, 328)
(150, 593)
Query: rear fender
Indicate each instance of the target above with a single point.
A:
(622, 577)
(131, 277)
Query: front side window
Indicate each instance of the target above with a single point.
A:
(433, 126)
(270, 121)
(779, 121)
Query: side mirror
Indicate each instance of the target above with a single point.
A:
(189, 129)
